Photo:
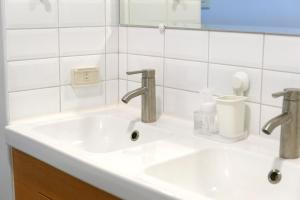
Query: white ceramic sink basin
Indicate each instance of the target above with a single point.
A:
(99, 134)
(225, 174)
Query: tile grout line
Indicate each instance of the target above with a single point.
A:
(118, 96)
(59, 58)
(127, 56)
(5, 61)
(261, 83)
(215, 63)
(192, 91)
(32, 89)
(164, 72)
(56, 27)
(118, 57)
(52, 57)
(193, 60)
(208, 63)
(105, 56)
(168, 87)
(118, 64)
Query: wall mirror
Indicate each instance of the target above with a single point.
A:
(268, 16)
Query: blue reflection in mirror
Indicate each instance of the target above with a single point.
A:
(277, 16)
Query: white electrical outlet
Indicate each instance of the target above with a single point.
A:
(85, 76)
(205, 4)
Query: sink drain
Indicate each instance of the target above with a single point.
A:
(135, 136)
(274, 176)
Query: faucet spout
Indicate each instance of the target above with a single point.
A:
(275, 122)
(132, 94)
(147, 93)
(289, 121)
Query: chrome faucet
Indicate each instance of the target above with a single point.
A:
(147, 91)
(290, 124)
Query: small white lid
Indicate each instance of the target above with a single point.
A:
(208, 107)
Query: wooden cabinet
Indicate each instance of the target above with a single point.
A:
(36, 180)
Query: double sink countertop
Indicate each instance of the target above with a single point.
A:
(166, 161)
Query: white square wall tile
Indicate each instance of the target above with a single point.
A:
(81, 13)
(123, 39)
(112, 92)
(112, 12)
(145, 41)
(122, 66)
(112, 66)
(252, 118)
(33, 102)
(32, 74)
(69, 63)
(267, 113)
(243, 49)
(112, 39)
(186, 75)
(220, 80)
(122, 89)
(282, 53)
(187, 44)
(31, 14)
(82, 97)
(82, 41)
(136, 102)
(32, 44)
(180, 103)
(276, 82)
(136, 63)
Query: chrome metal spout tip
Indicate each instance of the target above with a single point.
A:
(275, 122)
(125, 101)
(266, 132)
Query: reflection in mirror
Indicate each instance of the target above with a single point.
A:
(270, 16)
(173, 13)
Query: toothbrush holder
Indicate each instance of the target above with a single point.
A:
(231, 116)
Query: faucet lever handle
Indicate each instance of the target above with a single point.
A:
(135, 72)
(289, 94)
(279, 94)
(147, 73)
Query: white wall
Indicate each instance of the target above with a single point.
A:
(5, 172)
(45, 40)
(189, 60)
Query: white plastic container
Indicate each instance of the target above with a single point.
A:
(231, 116)
(205, 118)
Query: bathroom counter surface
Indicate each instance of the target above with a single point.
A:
(123, 172)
